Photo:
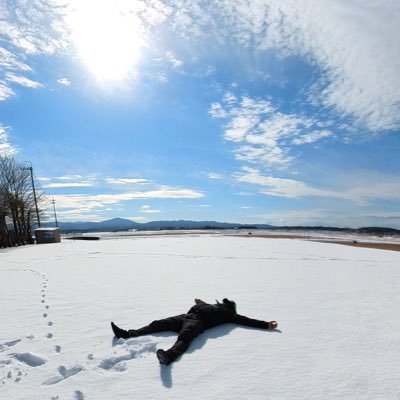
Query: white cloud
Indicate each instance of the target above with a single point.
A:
(64, 81)
(33, 29)
(10, 61)
(5, 91)
(147, 209)
(68, 181)
(67, 185)
(6, 148)
(265, 135)
(22, 80)
(69, 177)
(214, 175)
(125, 181)
(299, 217)
(83, 214)
(247, 194)
(312, 137)
(173, 60)
(217, 111)
(140, 218)
(284, 187)
(101, 200)
(321, 217)
(353, 43)
(360, 189)
(161, 77)
(150, 211)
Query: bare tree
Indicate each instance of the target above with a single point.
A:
(17, 205)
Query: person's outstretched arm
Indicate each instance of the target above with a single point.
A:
(254, 323)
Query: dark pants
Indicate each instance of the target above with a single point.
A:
(188, 326)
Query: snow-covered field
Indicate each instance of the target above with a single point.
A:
(338, 309)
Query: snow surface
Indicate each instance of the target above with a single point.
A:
(337, 306)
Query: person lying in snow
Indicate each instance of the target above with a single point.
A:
(200, 317)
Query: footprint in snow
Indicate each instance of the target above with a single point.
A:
(78, 395)
(6, 345)
(64, 373)
(29, 359)
(118, 363)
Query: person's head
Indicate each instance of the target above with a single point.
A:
(230, 304)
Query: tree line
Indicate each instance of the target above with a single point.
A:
(17, 203)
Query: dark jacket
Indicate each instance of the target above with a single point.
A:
(222, 313)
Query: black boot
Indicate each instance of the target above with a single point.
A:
(164, 357)
(120, 333)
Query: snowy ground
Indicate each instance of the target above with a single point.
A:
(337, 307)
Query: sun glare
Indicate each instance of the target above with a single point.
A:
(108, 42)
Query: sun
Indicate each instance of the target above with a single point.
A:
(108, 41)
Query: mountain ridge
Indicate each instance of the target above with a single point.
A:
(123, 224)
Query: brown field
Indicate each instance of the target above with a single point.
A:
(369, 245)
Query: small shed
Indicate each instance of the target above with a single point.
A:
(47, 235)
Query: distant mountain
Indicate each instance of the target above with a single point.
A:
(121, 224)
(115, 224)
(184, 224)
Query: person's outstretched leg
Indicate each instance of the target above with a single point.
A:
(190, 330)
(173, 324)
(119, 332)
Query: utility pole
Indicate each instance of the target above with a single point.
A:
(34, 191)
(55, 214)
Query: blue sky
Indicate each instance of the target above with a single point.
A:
(245, 111)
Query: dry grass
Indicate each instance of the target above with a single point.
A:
(354, 243)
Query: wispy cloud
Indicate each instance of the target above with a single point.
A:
(312, 137)
(353, 44)
(148, 210)
(6, 148)
(264, 134)
(323, 217)
(125, 181)
(22, 80)
(299, 217)
(64, 81)
(5, 91)
(34, 29)
(37, 29)
(173, 60)
(75, 201)
(70, 177)
(215, 175)
(284, 187)
(360, 189)
(67, 185)
(68, 181)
